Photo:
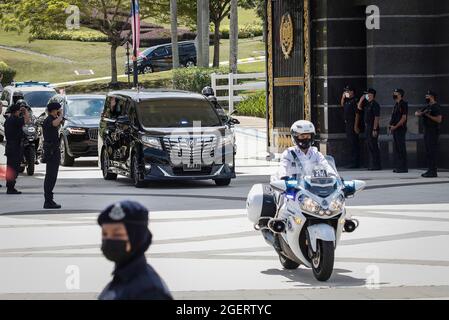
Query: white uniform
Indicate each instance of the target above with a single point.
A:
(290, 166)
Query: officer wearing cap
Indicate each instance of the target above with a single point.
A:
(371, 109)
(349, 104)
(398, 128)
(18, 117)
(431, 120)
(52, 153)
(125, 238)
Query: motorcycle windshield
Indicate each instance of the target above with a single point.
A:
(318, 180)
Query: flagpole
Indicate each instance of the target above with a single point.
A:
(135, 71)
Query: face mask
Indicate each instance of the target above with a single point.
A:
(366, 96)
(427, 100)
(395, 97)
(305, 143)
(347, 95)
(115, 250)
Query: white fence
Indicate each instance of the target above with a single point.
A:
(234, 88)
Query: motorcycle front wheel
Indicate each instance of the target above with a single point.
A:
(323, 260)
(31, 161)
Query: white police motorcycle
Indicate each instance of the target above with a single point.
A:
(303, 217)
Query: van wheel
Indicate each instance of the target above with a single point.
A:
(136, 174)
(148, 69)
(190, 64)
(222, 182)
(107, 175)
(66, 159)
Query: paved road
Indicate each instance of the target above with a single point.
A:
(205, 247)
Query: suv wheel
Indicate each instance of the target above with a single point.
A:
(105, 166)
(148, 69)
(136, 175)
(66, 159)
(190, 64)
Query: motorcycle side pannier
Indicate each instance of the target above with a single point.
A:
(260, 203)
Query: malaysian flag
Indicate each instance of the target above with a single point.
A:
(135, 26)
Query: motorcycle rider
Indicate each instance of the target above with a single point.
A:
(303, 154)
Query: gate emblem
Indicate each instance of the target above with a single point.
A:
(286, 33)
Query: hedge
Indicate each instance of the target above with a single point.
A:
(246, 31)
(254, 105)
(194, 79)
(7, 72)
(75, 35)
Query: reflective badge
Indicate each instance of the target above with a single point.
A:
(117, 212)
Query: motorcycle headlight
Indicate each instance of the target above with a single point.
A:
(336, 205)
(152, 142)
(76, 130)
(310, 205)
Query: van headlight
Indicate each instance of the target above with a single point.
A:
(152, 142)
(310, 205)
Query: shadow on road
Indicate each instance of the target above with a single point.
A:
(304, 277)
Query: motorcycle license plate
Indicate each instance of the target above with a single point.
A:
(192, 167)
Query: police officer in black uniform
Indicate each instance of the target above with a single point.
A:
(52, 153)
(18, 117)
(398, 127)
(125, 239)
(431, 120)
(371, 109)
(349, 104)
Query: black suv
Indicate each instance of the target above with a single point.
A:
(160, 58)
(79, 132)
(164, 135)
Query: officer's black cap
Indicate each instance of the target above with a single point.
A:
(127, 212)
(371, 90)
(400, 91)
(348, 88)
(431, 93)
(53, 106)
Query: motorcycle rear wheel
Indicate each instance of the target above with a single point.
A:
(287, 263)
(323, 261)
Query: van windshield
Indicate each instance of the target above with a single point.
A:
(175, 113)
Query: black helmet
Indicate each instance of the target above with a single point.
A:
(208, 91)
(22, 103)
(17, 95)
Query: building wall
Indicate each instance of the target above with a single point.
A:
(409, 51)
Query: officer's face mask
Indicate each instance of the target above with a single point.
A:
(427, 100)
(367, 96)
(304, 143)
(115, 250)
(395, 97)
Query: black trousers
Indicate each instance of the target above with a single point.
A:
(354, 143)
(51, 174)
(13, 161)
(431, 142)
(373, 149)
(400, 150)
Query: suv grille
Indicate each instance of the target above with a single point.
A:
(93, 134)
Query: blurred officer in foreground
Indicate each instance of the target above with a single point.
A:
(371, 109)
(18, 117)
(52, 153)
(398, 127)
(125, 238)
(349, 104)
(431, 119)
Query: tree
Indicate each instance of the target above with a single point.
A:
(174, 33)
(110, 17)
(233, 37)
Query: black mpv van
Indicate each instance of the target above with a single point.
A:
(164, 135)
